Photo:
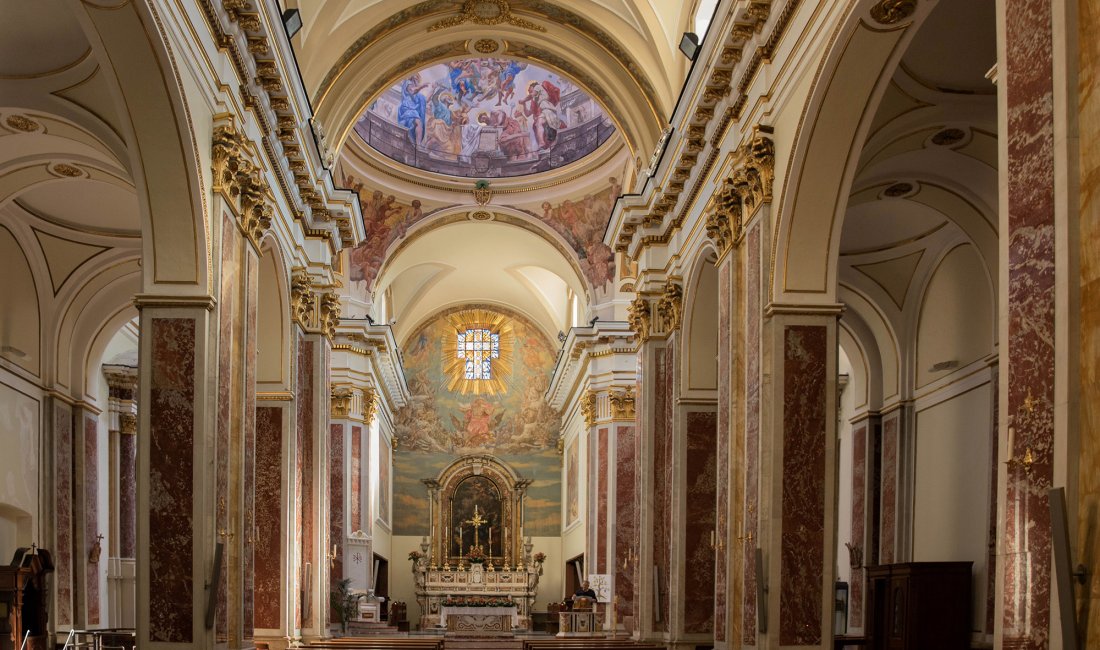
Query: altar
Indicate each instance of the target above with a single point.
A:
(476, 550)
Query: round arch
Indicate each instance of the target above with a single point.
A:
(701, 326)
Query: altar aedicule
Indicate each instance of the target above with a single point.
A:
(476, 549)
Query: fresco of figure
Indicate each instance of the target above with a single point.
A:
(412, 114)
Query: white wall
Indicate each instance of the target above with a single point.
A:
(951, 511)
(844, 489)
(19, 468)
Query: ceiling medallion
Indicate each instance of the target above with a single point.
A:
(486, 46)
(889, 12)
(68, 171)
(898, 189)
(481, 215)
(20, 123)
(486, 12)
(948, 137)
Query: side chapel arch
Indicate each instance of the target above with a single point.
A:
(469, 480)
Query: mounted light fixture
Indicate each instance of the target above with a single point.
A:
(292, 21)
(689, 45)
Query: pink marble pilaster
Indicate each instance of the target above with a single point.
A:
(626, 516)
(701, 483)
(1029, 90)
(127, 495)
(889, 474)
(249, 431)
(63, 496)
(803, 492)
(722, 468)
(336, 505)
(228, 317)
(602, 485)
(859, 519)
(171, 488)
(305, 403)
(991, 558)
(356, 478)
(751, 513)
(91, 517)
(662, 483)
(269, 513)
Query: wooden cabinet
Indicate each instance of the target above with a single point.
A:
(918, 606)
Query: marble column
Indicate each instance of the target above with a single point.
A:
(311, 483)
(1026, 88)
(1088, 511)
(90, 524)
(751, 319)
(122, 441)
(175, 541)
(798, 473)
(61, 429)
(723, 574)
(865, 516)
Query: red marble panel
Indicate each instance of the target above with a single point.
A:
(662, 483)
(751, 511)
(1029, 86)
(227, 319)
(991, 558)
(249, 448)
(601, 500)
(356, 478)
(63, 495)
(171, 485)
(305, 403)
(626, 516)
(803, 500)
(336, 505)
(701, 483)
(888, 530)
(269, 512)
(640, 408)
(127, 495)
(91, 514)
(721, 527)
(859, 518)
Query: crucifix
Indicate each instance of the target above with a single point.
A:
(477, 522)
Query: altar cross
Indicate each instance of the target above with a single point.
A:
(477, 522)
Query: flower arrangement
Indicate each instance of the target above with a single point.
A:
(477, 601)
(415, 555)
(476, 555)
(539, 557)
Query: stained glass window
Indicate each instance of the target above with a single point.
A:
(477, 348)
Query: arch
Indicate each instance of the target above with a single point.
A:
(129, 40)
(848, 86)
(20, 328)
(700, 328)
(874, 330)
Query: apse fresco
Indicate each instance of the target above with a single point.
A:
(581, 221)
(485, 118)
(515, 424)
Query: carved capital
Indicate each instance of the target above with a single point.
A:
(622, 404)
(341, 402)
(588, 408)
(301, 298)
(127, 424)
(329, 317)
(370, 405)
(670, 308)
(639, 318)
(753, 178)
(241, 181)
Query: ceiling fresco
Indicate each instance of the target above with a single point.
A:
(485, 118)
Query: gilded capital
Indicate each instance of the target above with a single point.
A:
(370, 405)
(622, 404)
(341, 402)
(889, 12)
(301, 298)
(330, 314)
(753, 177)
(670, 308)
(588, 408)
(639, 318)
(241, 181)
(127, 424)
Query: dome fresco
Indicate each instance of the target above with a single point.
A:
(485, 118)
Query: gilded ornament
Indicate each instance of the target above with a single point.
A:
(622, 404)
(301, 298)
(20, 123)
(889, 12)
(948, 137)
(127, 424)
(482, 192)
(370, 405)
(670, 307)
(486, 46)
(63, 169)
(638, 317)
(486, 12)
(898, 189)
(341, 402)
(481, 215)
(330, 314)
(588, 408)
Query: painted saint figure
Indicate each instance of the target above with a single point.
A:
(413, 110)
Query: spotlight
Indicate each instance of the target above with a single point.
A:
(689, 45)
(292, 21)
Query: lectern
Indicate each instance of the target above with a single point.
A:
(23, 598)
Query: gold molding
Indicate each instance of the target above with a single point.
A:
(480, 12)
(144, 300)
(274, 396)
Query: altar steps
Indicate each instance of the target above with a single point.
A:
(357, 628)
(483, 644)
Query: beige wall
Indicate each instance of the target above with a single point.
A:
(19, 484)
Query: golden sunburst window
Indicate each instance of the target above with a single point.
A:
(477, 353)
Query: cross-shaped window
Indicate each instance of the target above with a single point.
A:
(478, 347)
